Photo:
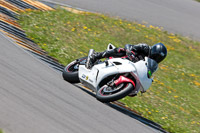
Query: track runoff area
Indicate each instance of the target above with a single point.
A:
(8, 26)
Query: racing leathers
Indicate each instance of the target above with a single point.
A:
(132, 52)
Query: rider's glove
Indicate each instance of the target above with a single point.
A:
(130, 55)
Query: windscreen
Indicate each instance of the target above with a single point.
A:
(152, 66)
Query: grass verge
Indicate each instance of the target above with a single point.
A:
(1, 131)
(173, 100)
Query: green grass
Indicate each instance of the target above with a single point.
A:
(1, 131)
(198, 0)
(174, 98)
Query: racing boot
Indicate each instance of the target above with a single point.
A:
(92, 58)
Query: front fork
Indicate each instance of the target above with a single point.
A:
(121, 79)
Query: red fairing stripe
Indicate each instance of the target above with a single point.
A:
(123, 79)
(124, 56)
(133, 52)
(120, 50)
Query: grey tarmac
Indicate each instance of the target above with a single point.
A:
(35, 99)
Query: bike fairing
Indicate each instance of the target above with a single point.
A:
(105, 78)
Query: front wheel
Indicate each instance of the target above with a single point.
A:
(108, 94)
(70, 72)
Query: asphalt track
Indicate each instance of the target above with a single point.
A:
(176, 16)
(35, 99)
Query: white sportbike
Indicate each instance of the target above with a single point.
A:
(114, 78)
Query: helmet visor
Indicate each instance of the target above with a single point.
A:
(157, 57)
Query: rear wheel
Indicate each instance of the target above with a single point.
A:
(70, 72)
(110, 94)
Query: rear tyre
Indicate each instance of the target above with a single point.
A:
(70, 72)
(105, 94)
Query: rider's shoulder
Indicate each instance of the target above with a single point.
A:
(139, 44)
(143, 44)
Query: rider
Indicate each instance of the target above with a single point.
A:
(158, 52)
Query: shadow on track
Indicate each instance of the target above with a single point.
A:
(127, 112)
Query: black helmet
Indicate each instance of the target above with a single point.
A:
(158, 52)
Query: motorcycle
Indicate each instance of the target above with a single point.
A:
(112, 79)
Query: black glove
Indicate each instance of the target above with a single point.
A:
(130, 55)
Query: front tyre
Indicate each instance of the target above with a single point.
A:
(70, 72)
(107, 94)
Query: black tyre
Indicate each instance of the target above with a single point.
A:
(70, 72)
(106, 95)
